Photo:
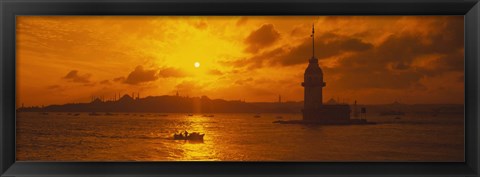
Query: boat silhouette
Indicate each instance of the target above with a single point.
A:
(195, 136)
(93, 114)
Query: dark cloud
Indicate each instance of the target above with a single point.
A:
(257, 61)
(392, 64)
(399, 66)
(171, 72)
(140, 75)
(326, 45)
(74, 76)
(263, 37)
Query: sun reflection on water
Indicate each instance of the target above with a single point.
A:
(199, 150)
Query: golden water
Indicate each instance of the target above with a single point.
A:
(235, 137)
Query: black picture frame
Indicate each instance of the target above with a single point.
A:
(11, 8)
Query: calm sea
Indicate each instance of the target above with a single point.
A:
(235, 137)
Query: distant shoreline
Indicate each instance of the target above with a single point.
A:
(204, 105)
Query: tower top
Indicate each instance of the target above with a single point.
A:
(313, 40)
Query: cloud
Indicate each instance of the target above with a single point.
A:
(90, 84)
(54, 87)
(119, 79)
(171, 72)
(140, 75)
(326, 45)
(402, 60)
(189, 88)
(243, 81)
(263, 37)
(106, 82)
(299, 31)
(73, 76)
(242, 21)
(200, 25)
(215, 72)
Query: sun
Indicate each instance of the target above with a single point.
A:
(196, 64)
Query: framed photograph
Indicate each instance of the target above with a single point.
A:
(252, 88)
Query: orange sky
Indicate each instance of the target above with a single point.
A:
(372, 59)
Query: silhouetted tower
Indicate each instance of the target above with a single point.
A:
(279, 99)
(313, 81)
(176, 94)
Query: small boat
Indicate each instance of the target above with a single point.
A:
(189, 114)
(208, 115)
(398, 117)
(109, 114)
(195, 136)
(77, 114)
(257, 116)
(93, 114)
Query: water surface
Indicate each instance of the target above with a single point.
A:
(235, 137)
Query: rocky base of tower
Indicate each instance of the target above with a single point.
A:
(338, 114)
(327, 113)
